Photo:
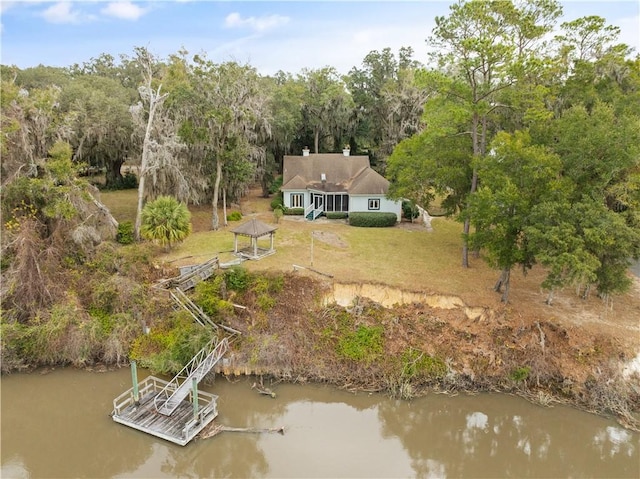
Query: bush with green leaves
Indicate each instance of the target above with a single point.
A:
(294, 211)
(363, 345)
(336, 215)
(128, 181)
(207, 296)
(125, 233)
(277, 201)
(237, 279)
(372, 219)
(170, 345)
(275, 185)
(409, 210)
(234, 216)
(165, 221)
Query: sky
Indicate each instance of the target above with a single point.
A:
(271, 36)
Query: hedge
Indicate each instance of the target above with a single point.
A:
(294, 211)
(372, 219)
(336, 215)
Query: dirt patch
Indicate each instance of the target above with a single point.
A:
(330, 238)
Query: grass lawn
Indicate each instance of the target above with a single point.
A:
(406, 257)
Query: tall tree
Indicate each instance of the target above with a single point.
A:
(516, 177)
(389, 98)
(225, 117)
(327, 107)
(153, 98)
(98, 110)
(484, 43)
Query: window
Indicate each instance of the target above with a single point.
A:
(328, 202)
(374, 203)
(297, 200)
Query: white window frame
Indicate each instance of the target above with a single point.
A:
(297, 200)
(374, 203)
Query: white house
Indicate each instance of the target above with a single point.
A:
(328, 182)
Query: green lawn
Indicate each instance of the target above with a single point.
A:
(410, 258)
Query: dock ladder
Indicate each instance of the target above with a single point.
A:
(180, 386)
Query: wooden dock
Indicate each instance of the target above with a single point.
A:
(182, 426)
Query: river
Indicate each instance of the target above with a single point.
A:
(57, 425)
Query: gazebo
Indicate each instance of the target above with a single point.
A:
(254, 229)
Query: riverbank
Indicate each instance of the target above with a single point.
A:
(429, 343)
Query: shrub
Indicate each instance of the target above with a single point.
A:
(237, 279)
(409, 210)
(207, 297)
(125, 233)
(277, 201)
(336, 215)
(294, 211)
(171, 345)
(363, 344)
(275, 185)
(372, 219)
(128, 181)
(520, 374)
(234, 216)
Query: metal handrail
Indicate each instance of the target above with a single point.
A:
(179, 387)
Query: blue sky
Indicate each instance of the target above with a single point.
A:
(271, 36)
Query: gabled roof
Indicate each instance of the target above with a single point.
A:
(369, 182)
(351, 174)
(254, 228)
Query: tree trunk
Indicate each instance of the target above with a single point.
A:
(155, 99)
(113, 174)
(504, 280)
(467, 222)
(215, 221)
(316, 141)
(550, 296)
(224, 206)
(465, 246)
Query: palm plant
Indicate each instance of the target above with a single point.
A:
(166, 221)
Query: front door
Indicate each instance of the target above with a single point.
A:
(318, 201)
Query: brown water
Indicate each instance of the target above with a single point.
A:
(58, 426)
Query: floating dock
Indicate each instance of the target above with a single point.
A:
(188, 419)
(173, 410)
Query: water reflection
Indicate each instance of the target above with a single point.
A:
(57, 426)
(500, 436)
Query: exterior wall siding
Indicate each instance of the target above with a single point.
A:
(360, 203)
(286, 196)
(357, 203)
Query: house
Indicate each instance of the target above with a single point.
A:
(328, 182)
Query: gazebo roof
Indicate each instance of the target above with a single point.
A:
(254, 228)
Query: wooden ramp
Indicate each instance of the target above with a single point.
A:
(173, 394)
(188, 419)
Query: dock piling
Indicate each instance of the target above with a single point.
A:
(134, 378)
(194, 383)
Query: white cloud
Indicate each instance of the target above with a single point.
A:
(259, 24)
(61, 12)
(630, 34)
(124, 10)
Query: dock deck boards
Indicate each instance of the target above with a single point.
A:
(178, 428)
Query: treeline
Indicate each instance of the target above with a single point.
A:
(199, 130)
(533, 141)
